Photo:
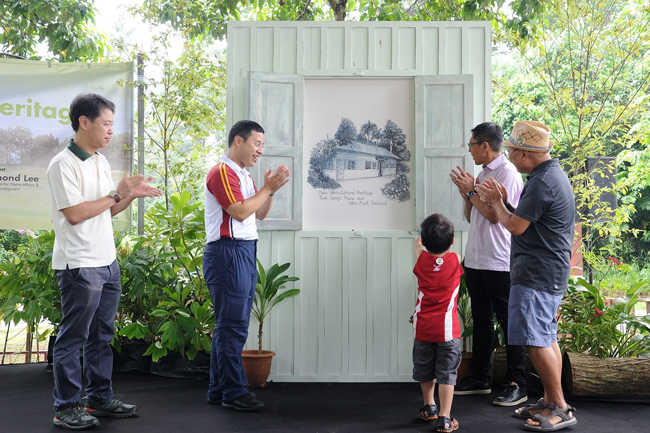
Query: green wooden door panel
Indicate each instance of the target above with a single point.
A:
(276, 101)
(443, 120)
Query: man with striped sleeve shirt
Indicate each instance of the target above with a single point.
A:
(232, 202)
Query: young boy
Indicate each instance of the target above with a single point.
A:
(436, 349)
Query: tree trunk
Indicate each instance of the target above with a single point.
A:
(592, 376)
(4, 349)
(500, 367)
(28, 346)
(338, 6)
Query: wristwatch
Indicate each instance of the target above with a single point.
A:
(471, 194)
(510, 208)
(115, 195)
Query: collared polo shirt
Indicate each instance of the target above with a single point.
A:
(541, 255)
(488, 245)
(75, 176)
(228, 183)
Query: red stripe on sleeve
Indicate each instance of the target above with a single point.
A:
(224, 190)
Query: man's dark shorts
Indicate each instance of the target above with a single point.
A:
(438, 361)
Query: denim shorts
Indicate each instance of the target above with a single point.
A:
(438, 361)
(532, 317)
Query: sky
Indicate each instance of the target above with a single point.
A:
(114, 19)
(112, 12)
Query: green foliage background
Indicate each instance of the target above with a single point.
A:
(67, 27)
(585, 73)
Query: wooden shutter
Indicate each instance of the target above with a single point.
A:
(276, 101)
(443, 120)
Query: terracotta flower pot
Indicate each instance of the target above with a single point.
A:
(257, 366)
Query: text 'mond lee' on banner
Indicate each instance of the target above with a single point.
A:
(34, 126)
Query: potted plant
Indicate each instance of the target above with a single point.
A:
(257, 363)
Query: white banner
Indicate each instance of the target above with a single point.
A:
(34, 126)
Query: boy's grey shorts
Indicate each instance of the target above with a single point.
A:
(438, 361)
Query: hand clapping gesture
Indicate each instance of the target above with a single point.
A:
(276, 180)
(463, 180)
(137, 186)
(492, 191)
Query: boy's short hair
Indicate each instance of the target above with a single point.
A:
(243, 128)
(490, 132)
(437, 233)
(90, 105)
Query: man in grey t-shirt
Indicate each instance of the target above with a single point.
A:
(542, 228)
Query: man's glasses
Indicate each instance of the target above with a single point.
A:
(509, 152)
(469, 145)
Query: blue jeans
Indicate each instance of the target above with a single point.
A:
(230, 272)
(489, 292)
(89, 299)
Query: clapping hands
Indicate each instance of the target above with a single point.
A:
(137, 186)
(463, 180)
(491, 191)
(276, 180)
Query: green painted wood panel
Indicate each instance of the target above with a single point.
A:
(350, 322)
(265, 37)
(359, 47)
(357, 310)
(276, 101)
(443, 119)
(407, 48)
(331, 49)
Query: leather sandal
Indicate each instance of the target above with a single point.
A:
(525, 411)
(546, 426)
(429, 412)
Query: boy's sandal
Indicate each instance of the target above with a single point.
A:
(444, 421)
(429, 412)
(546, 426)
(524, 413)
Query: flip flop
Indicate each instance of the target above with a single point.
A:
(546, 426)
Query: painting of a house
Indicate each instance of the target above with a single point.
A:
(357, 160)
(375, 158)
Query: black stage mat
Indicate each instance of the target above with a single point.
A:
(179, 405)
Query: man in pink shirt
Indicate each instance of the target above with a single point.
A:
(487, 265)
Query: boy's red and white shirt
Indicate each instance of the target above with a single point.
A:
(435, 319)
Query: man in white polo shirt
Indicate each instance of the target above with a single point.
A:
(232, 202)
(83, 199)
(487, 267)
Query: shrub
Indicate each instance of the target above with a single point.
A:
(587, 325)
